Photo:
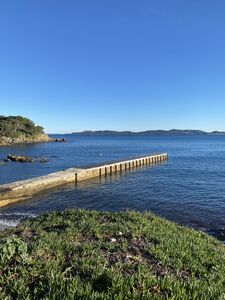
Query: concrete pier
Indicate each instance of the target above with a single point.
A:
(20, 190)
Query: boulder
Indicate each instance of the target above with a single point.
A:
(58, 140)
(18, 158)
(43, 161)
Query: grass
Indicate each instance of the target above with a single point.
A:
(81, 254)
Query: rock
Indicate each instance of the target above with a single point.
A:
(6, 141)
(112, 240)
(18, 158)
(43, 161)
(58, 140)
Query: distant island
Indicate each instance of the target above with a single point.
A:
(172, 132)
(17, 129)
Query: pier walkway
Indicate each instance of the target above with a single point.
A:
(20, 190)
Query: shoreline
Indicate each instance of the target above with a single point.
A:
(3, 227)
(207, 231)
(7, 142)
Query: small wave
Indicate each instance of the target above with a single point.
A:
(14, 218)
(28, 215)
(8, 223)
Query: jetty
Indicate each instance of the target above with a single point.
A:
(21, 190)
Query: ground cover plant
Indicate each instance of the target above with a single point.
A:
(79, 254)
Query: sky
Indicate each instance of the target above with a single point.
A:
(118, 64)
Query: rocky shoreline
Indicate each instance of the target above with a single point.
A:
(21, 130)
(7, 141)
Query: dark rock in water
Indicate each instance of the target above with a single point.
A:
(219, 233)
(43, 161)
(60, 140)
(18, 158)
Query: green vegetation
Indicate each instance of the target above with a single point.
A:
(16, 126)
(82, 254)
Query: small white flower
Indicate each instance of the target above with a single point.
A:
(113, 240)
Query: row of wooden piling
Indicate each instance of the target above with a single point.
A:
(20, 190)
(119, 166)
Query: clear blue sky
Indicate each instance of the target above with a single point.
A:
(118, 64)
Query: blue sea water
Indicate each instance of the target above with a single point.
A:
(188, 189)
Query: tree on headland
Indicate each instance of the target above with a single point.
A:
(17, 126)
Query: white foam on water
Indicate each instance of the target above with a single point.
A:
(29, 215)
(8, 223)
(13, 219)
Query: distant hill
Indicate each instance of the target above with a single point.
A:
(172, 132)
(17, 129)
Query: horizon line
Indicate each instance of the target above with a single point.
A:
(134, 131)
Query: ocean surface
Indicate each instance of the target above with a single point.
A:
(188, 189)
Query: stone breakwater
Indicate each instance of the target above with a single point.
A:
(20, 190)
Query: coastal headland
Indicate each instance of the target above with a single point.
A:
(20, 130)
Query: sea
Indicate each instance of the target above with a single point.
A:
(189, 188)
